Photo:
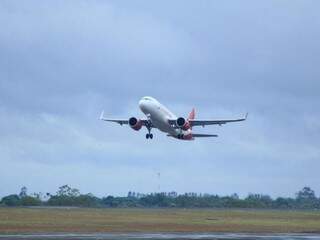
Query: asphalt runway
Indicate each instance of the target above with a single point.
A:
(163, 236)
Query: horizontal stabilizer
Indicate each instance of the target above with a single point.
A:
(198, 135)
(204, 135)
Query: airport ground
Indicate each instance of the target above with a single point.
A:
(95, 220)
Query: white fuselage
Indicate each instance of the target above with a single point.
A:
(159, 115)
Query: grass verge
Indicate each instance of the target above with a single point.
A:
(83, 220)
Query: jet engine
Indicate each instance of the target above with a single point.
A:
(183, 123)
(135, 124)
(187, 136)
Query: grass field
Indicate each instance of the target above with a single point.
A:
(80, 220)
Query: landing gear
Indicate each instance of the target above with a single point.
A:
(149, 135)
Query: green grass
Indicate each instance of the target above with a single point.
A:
(82, 220)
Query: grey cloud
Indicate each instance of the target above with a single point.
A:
(62, 63)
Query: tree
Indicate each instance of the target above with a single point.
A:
(306, 198)
(65, 190)
(11, 200)
(156, 200)
(306, 194)
(285, 203)
(66, 196)
(258, 201)
(30, 201)
(23, 192)
(235, 196)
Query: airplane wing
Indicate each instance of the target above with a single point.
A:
(198, 122)
(201, 122)
(196, 135)
(203, 135)
(121, 121)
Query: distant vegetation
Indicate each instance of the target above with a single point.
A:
(68, 196)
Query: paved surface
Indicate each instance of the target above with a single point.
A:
(168, 236)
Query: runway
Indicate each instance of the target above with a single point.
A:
(162, 236)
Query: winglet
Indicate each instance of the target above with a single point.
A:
(246, 116)
(101, 115)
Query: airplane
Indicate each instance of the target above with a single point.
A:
(158, 116)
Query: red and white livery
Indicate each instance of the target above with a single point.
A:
(158, 116)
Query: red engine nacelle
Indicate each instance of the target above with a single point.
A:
(135, 124)
(183, 123)
(187, 136)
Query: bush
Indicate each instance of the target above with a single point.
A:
(83, 200)
(30, 201)
(11, 200)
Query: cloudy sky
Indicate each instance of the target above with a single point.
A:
(62, 62)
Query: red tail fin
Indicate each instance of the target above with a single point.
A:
(192, 114)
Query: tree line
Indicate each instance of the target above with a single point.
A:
(68, 196)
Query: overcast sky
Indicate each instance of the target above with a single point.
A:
(62, 62)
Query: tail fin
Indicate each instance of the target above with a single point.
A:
(192, 114)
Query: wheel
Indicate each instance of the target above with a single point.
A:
(151, 136)
(147, 136)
